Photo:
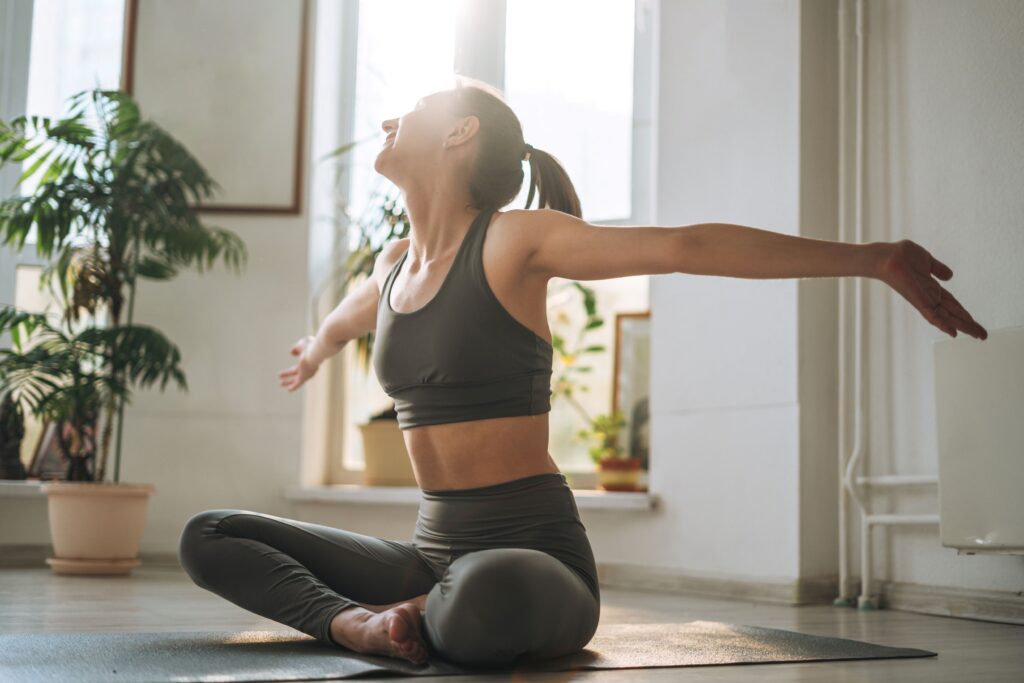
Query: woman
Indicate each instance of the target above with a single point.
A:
(500, 567)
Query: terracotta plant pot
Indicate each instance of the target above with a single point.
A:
(619, 474)
(387, 460)
(96, 527)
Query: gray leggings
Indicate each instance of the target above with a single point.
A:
(508, 570)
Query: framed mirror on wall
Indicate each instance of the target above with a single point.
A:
(631, 381)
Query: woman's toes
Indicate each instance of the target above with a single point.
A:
(404, 631)
(399, 629)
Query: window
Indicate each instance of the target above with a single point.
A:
(576, 101)
(580, 80)
(73, 46)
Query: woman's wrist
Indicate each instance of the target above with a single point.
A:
(875, 256)
(317, 351)
(312, 353)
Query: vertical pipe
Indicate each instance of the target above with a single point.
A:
(844, 597)
(864, 601)
(865, 597)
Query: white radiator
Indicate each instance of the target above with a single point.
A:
(979, 398)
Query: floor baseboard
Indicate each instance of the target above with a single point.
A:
(1003, 606)
(803, 591)
(948, 601)
(33, 556)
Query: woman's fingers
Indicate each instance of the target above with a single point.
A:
(910, 270)
(941, 270)
(948, 315)
(960, 317)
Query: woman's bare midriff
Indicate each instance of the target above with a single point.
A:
(460, 455)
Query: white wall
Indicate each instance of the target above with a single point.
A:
(945, 165)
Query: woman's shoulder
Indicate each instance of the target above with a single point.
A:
(516, 233)
(387, 257)
(392, 251)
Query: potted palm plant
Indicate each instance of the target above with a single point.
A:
(110, 206)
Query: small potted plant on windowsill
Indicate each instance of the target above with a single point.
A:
(111, 205)
(616, 470)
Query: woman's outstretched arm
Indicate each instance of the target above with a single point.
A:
(568, 247)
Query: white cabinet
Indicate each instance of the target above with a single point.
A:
(979, 396)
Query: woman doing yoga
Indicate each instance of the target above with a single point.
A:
(499, 567)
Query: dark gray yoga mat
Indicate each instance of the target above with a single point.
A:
(179, 656)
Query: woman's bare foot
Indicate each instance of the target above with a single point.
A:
(420, 601)
(395, 632)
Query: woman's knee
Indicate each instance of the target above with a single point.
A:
(493, 606)
(193, 542)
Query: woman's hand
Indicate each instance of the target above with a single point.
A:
(295, 376)
(907, 267)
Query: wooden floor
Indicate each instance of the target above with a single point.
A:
(157, 599)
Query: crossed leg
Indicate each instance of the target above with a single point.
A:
(489, 607)
(298, 573)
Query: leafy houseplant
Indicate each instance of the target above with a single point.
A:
(604, 429)
(111, 205)
(617, 470)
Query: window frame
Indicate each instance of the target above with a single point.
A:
(16, 43)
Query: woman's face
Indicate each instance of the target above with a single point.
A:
(414, 143)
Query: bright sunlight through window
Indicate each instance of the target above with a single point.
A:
(75, 46)
(573, 91)
(406, 51)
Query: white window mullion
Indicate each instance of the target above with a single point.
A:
(480, 41)
(15, 50)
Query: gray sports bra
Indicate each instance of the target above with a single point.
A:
(462, 356)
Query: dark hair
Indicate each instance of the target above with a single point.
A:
(497, 173)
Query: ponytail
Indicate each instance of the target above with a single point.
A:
(549, 178)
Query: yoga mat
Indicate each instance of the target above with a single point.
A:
(158, 657)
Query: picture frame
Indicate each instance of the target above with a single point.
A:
(48, 461)
(199, 90)
(631, 382)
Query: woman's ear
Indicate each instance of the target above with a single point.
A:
(466, 128)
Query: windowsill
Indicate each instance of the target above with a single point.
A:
(19, 488)
(586, 499)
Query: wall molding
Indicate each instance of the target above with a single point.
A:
(946, 601)
(949, 601)
(802, 591)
